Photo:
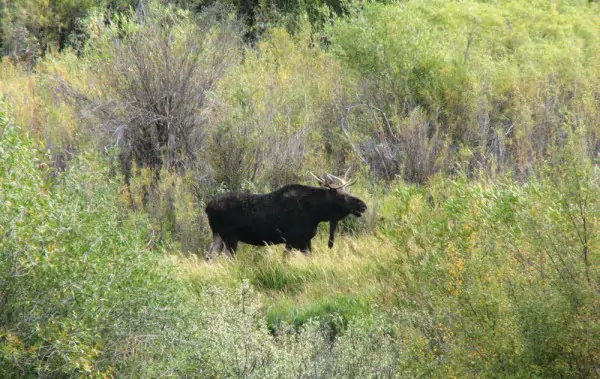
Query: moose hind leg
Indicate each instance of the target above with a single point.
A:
(303, 246)
(215, 247)
(230, 244)
(307, 248)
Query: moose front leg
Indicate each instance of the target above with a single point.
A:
(332, 227)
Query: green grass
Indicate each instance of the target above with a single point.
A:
(334, 311)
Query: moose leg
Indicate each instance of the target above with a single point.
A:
(215, 247)
(306, 248)
(303, 246)
(332, 227)
(230, 245)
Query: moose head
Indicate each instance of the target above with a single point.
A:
(343, 203)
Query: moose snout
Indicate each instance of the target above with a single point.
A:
(360, 209)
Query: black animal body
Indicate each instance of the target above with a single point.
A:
(289, 215)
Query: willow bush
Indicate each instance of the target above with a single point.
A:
(157, 72)
(81, 293)
(496, 79)
(279, 113)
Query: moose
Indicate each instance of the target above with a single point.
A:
(289, 215)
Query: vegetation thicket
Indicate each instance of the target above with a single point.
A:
(472, 128)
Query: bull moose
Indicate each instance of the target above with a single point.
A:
(289, 215)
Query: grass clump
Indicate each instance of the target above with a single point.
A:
(335, 311)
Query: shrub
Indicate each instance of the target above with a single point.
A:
(491, 81)
(80, 293)
(158, 74)
(39, 107)
(174, 204)
(278, 114)
(497, 275)
(31, 27)
(236, 342)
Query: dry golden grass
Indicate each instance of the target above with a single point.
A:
(363, 266)
(37, 100)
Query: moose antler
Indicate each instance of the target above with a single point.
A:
(328, 180)
(318, 179)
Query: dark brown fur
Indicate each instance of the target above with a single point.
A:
(289, 215)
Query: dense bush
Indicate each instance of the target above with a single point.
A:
(278, 114)
(237, 343)
(157, 76)
(492, 80)
(498, 279)
(29, 28)
(80, 293)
